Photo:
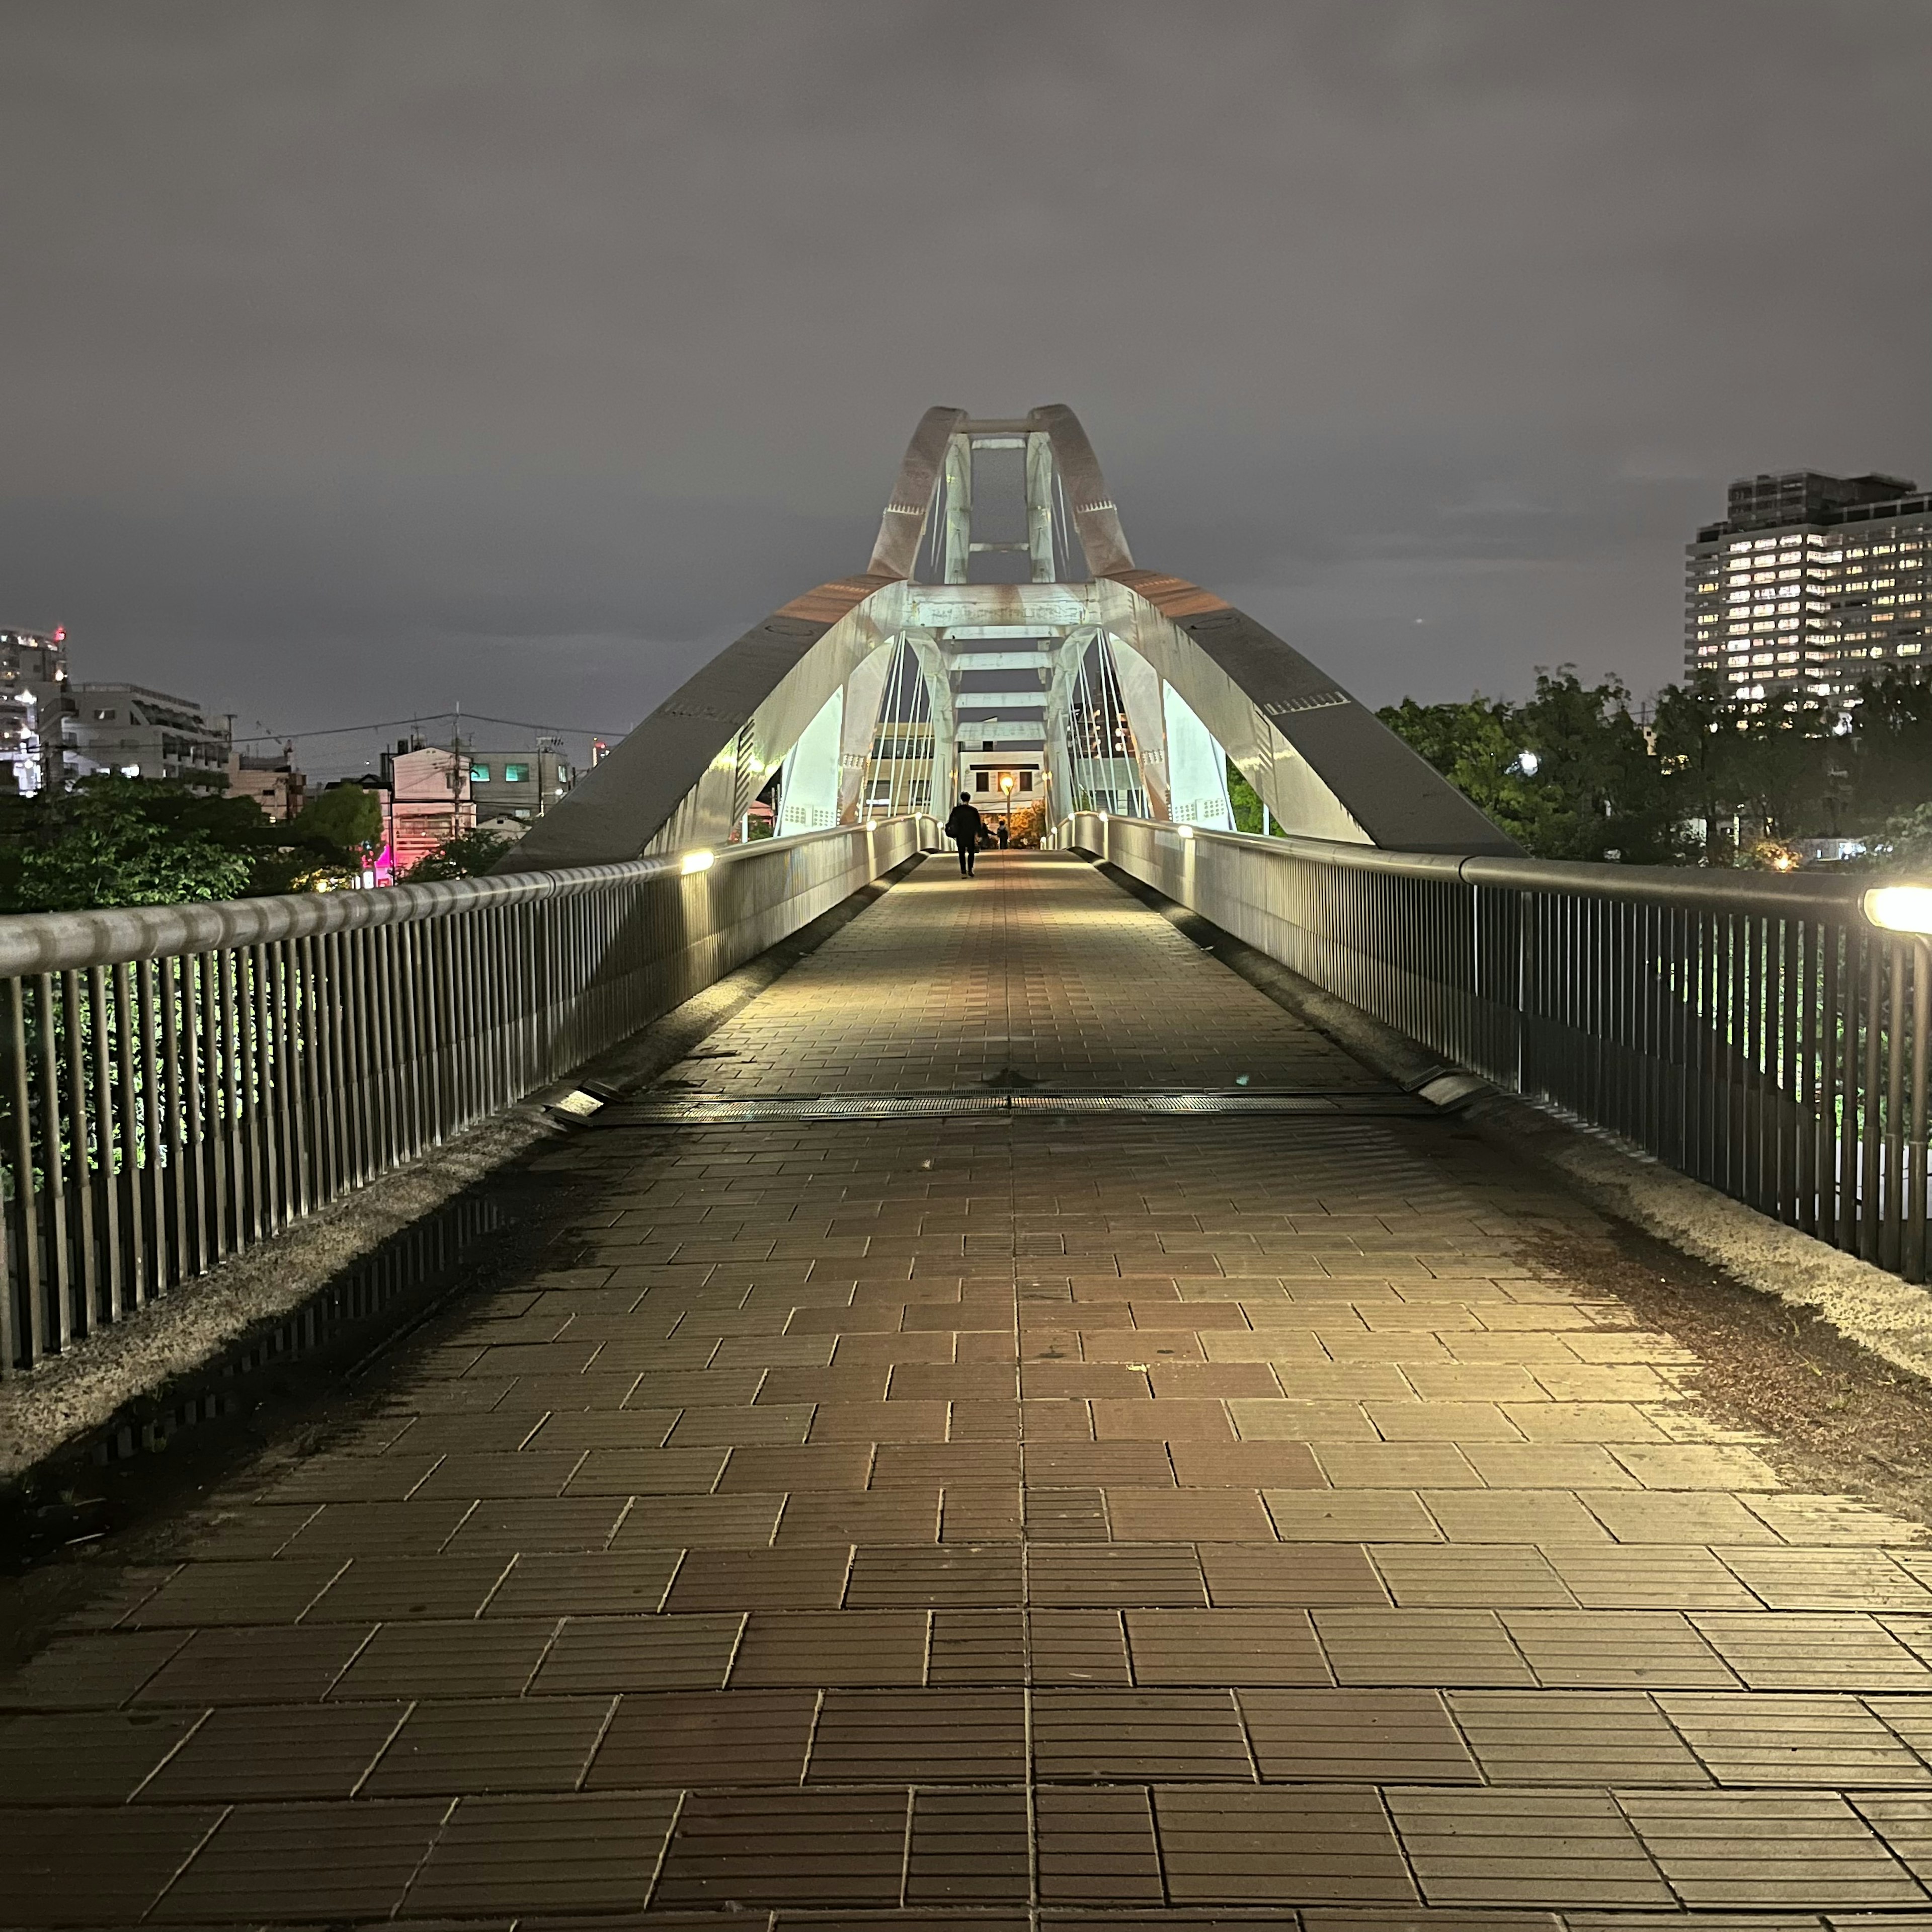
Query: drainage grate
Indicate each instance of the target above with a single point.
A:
(703, 1112)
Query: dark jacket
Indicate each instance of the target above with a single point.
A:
(965, 823)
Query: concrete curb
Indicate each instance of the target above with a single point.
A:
(42, 1414)
(1891, 1318)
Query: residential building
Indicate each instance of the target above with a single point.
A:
(518, 785)
(35, 699)
(1000, 781)
(144, 733)
(272, 781)
(426, 803)
(1811, 581)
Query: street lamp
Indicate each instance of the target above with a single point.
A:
(1906, 911)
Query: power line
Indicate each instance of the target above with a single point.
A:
(394, 723)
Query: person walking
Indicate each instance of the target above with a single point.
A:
(965, 828)
(1005, 834)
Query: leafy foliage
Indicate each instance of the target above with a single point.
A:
(119, 841)
(464, 856)
(1704, 782)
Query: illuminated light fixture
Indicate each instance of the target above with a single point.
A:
(698, 861)
(1899, 908)
(1185, 831)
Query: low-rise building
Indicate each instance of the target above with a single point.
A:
(426, 801)
(272, 781)
(518, 785)
(143, 734)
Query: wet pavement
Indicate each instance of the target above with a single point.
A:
(1007, 1520)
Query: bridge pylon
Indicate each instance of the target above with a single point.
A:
(1002, 622)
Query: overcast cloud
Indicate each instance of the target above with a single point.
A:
(360, 358)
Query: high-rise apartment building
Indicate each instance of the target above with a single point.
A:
(34, 698)
(1811, 583)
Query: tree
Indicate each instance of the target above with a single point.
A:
(120, 841)
(347, 819)
(464, 856)
(1891, 749)
(1568, 776)
(327, 845)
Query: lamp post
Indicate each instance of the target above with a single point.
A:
(1906, 912)
(1007, 788)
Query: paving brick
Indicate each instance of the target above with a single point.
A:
(593, 1654)
(1641, 1649)
(1599, 1737)
(1225, 1646)
(1750, 1848)
(100, 1758)
(1548, 1848)
(1384, 1737)
(907, 1737)
(1096, 1847)
(318, 1862)
(810, 1848)
(524, 1855)
(388, 1589)
(1278, 1847)
(833, 1647)
(94, 1866)
(1079, 1576)
(1781, 1652)
(1241, 1575)
(89, 1672)
(266, 1751)
(482, 1659)
(968, 1848)
(1114, 1736)
(264, 1664)
(760, 1579)
(489, 1744)
(1447, 1648)
(673, 1739)
(1794, 1740)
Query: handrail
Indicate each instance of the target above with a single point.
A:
(1753, 1031)
(1787, 894)
(53, 942)
(179, 1083)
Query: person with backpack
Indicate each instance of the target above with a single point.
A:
(966, 828)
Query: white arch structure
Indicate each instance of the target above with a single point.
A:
(800, 694)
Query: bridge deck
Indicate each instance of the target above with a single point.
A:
(1010, 1520)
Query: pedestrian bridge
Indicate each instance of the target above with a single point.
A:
(1019, 1428)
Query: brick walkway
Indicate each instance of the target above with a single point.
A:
(1004, 1521)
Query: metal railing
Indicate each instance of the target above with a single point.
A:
(179, 1083)
(1752, 1031)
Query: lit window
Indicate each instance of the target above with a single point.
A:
(480, 773)
(515, 774)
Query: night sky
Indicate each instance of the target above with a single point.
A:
(363, 359)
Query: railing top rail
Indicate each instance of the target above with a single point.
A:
(58, 942)
(1692, 888)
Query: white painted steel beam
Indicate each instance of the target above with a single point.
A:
(1323, 764)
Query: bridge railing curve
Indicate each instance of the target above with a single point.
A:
(179, 1083)
(1750, 1030)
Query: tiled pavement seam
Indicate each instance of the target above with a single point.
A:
(953, 1520)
